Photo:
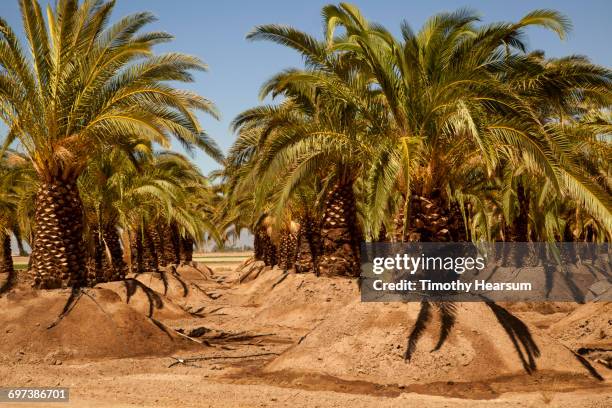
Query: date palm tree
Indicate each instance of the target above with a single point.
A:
(313, 137)
(86, 85)
(452, 89)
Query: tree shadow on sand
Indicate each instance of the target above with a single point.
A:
(155, 300)
(518, 332)
(448, 317)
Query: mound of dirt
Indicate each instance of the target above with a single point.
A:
(367, 341)
(42, 326)
(186, 287)
(540, 314)
(195, 271)
(299, 301)
(145, 300)
(589, 326)
(166, 283)
(543, 308)
(247, 271)
(170, 296)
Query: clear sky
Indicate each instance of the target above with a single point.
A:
(215, 31)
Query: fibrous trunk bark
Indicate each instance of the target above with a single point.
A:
(137, 249)
(98, 265)
(58, 253)
(187, 244)
(6, 259)
(308, 246)
(171, 243)
(431, 219)
(518, 231)
(266, 249)
(113, 242)
(6, 262)
(382, 234)
(151, 246)
(258, 245)
(287, 250)
(340, 234)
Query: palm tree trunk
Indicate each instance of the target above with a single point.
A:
(171, 244)
(518, 231)
(432, 219)
(6, 262)
(382, 234)
(6, 259)
(137, 251)
(308, 246)
(150, 246)
(258, 245)
(97, 265)
(340, 234)
(521, 223)
(58, 251)
(187, 244)
(266, 248)
(287, 250)
(176, 244)
(113, 243)
(158, 244)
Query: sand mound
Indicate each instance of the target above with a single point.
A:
(589, 326)
(293, 300)
(366, 341)
(195, 271)
(165, 283)
(146, 300)
(544, 308)
(183, 291)
(98, 325)
(247, 271)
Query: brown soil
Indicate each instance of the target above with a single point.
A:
(97, 324)
(291, 340)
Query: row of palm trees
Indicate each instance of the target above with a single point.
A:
(452, 133)
(455, 132)
(85, 167)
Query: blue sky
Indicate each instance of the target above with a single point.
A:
(215, 31)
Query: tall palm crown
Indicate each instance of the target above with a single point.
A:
(456, 94)
(87, 85)
(454, 82)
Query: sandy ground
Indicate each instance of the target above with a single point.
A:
(250, 344)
